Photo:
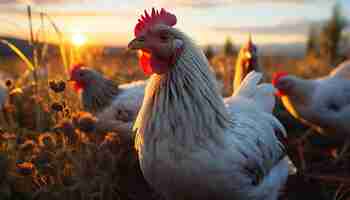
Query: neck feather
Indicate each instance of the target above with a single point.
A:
(303, 90)
(184, 103)
(99, 95)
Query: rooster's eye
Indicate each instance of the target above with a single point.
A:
(164, 37)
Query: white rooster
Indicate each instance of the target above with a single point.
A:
(104, 98)
(246, 62)
(190, 145)
(323, 103)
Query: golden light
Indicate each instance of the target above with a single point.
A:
(78, 39)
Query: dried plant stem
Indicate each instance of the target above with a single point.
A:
(62, 44)
(33, 42)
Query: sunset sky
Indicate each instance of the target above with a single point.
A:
(207, 21)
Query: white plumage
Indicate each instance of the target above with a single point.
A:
(115, 106)
(247, 61)
(126, 104)
(106, 99)
(192, 146)
(322, 103)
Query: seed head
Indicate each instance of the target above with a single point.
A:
(56, 107)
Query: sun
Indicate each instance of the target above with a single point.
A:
(78, 39)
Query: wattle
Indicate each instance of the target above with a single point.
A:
(145, 62)
(78, 86)
(151, 64)
(280, 93)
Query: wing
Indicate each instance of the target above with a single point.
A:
(127, 103)
(257, 96)
(254, 136)
(332, 95)
(331, 105)
(342, 71)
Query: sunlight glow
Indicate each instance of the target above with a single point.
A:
(78, 39)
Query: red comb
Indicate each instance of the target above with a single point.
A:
(156, 17)
(276, 76)
(77, 66)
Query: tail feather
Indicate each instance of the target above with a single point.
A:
(261, 94)
(273, 182)
(249, 85)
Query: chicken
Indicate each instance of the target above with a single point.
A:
(5, 86)
(247, 61)
(105, 98)
(3, 94)
(190, 145)
(323, 103)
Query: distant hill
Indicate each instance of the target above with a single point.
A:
(296, 50)
(23, 45)
(292, 50)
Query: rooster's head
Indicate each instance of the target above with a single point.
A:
(249, 53)
(282, 82)
(157, 41)
(82, 76)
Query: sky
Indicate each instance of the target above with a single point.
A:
(111, 22)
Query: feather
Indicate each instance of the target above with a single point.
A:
(246, 62)
(97, 96)
(322, 103)
(188, 138)
(127, 102)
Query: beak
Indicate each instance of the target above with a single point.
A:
(137, 43)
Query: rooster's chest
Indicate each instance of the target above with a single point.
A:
(179, 174)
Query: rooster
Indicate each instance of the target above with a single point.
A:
(104, 98)
(323, 103)
(247, 61)
(190, 145)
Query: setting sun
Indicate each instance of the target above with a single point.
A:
(78, 39)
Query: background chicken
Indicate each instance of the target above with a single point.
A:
(187, 138)
(247, 61)
(105, 98)
(323, 103)
(3, 94)
(5, 85)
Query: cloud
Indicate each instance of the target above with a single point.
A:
(39, 1)
(180, 3)
(74, 9)
(286, 28)
(215, 3)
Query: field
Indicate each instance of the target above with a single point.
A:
(61, 155)
(50, 148)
